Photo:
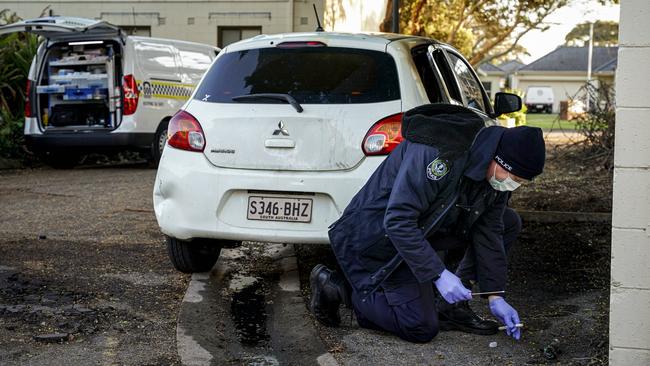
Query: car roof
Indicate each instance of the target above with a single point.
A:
(376, 41)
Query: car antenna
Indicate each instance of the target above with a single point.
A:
(319, 28)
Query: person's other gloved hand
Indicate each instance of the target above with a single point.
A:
(507, 315)
(451, 288)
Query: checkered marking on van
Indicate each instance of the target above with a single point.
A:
(160, 89)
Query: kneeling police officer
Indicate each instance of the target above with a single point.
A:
(445, 187)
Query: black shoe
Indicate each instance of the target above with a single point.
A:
(328, 291)
(461, 317)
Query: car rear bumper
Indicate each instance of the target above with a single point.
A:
(88, 141)
(194, 199)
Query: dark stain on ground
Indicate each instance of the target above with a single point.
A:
(44, 308)
(248, 311)
(50, 287)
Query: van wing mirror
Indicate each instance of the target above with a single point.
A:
(506, 103)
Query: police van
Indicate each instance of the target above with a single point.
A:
(93, 88)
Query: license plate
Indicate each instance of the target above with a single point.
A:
(539, 106)
(279, 209)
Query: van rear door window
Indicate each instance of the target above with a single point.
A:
(312, 75)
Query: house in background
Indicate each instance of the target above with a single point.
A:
(510, 67)
(492, 77)
(565, 70)
(496, 78)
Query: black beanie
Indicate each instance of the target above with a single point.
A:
(521, 151)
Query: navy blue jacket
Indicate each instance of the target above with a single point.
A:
(405, 201)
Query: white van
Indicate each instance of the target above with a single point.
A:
(93, 88)
(539, 99)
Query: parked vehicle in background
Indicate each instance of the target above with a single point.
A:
(283, 130)
(539, 99)
(93, 88)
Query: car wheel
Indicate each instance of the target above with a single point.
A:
(193, 256)
(159, 142)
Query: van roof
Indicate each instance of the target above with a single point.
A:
(167, 40)
(377, 41)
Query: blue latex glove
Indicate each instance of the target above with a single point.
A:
(507, 315)
(451, 289)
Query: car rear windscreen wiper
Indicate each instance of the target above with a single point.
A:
(276, 96)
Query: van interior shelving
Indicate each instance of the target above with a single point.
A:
(79, 87)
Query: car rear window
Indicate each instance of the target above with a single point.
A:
(312, 75)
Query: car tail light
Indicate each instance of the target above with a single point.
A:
(184, 132)
(301, 44)
(28, 99)
(131, 94)
(384, 136)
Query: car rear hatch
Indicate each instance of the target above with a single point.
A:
(323, 102)
(61, 29)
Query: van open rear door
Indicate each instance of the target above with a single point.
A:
(64, 28)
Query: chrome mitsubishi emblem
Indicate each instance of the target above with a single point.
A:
(281, 130)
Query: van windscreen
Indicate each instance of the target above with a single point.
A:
(312, 75)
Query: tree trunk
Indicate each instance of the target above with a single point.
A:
(387, 24)
(416, 22)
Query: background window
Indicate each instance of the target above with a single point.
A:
(228, 35)
(137, 30)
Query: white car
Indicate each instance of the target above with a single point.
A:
(93, 88)
(283, 130)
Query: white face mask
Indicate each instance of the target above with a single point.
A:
(507, 184)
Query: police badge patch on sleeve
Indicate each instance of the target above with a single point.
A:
(437, 169)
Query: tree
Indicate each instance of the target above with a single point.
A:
(605, 34)
(16, 53)
(482, 30)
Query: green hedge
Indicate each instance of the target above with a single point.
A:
(16, 53)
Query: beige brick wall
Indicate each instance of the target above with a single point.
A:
(274, 16)
(629, 341)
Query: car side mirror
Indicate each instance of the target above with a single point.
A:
(506, 103)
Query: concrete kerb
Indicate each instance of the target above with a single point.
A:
(190, 351)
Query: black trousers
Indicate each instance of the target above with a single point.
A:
(409, 310)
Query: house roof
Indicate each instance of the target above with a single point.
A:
(608, 67)
(490, 69)
(573, 59)
(511, 66)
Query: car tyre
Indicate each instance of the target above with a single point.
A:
(193, 256)
(159, 142)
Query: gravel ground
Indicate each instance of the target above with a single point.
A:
(85, 279)
(84, 275)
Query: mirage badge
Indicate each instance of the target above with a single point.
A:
(437, 169)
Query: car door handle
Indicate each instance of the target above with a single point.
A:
(280, 143)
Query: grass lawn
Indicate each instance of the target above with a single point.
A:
(548, 122)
